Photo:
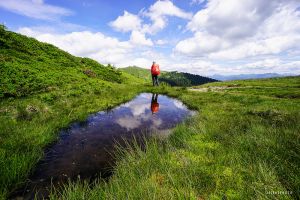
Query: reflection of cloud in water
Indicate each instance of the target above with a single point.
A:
(179, 104)
(137, 108)
(139, 113)
(133, 122)
(156, 122)
(145, 95)
(129, 122)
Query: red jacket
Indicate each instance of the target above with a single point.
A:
(155, 69)
(154, 107)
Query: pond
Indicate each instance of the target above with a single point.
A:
(85, 149)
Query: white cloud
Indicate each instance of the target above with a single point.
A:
(87, 44)
(201, 44)
(167, 8)
(234, 29)
(269, 65)
(158, 13)
(193, 66)
(38, 1)
(285, 21)
(266, 63)
(161, 42)
(232, 18)
(292, 67)
(269, 46)
(138, 38)
(35, 9)
(129, 122)
(126, 22)
(143, 62)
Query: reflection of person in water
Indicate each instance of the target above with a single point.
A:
(154, 104)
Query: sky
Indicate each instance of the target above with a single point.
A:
(203, 37)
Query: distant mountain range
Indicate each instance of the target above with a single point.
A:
(173, 78)
(247, 76)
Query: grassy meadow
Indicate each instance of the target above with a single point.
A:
(243, 143)
(238, 146)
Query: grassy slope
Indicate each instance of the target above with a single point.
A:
(43, 89)
(238, 146)
(29, 67)
(172, 78)
(138, 72)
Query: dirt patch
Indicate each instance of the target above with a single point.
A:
(213, 88)
(222, 88)
(198, 89)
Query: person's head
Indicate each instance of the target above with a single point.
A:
(153, 62)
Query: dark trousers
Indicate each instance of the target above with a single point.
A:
(154, 98)
(155, 80)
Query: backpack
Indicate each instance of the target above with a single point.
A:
(155, 69)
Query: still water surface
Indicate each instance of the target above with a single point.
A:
(85, 149)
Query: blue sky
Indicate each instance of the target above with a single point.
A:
(198, 36)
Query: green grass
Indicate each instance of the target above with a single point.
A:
(286, 88)
(138, 72)
(238, 146)
(29, 67)
(29, 124)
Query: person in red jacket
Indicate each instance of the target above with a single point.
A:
(155, 72)
(154, 104)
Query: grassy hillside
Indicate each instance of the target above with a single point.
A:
(172, 78)
(138, 72)
(241, 145)
(184, 79)
(29, 66)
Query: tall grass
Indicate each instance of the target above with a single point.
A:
(28, 124)
(237, 147)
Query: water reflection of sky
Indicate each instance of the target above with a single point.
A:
(85, 148)
(141, 114)
(137, 114)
